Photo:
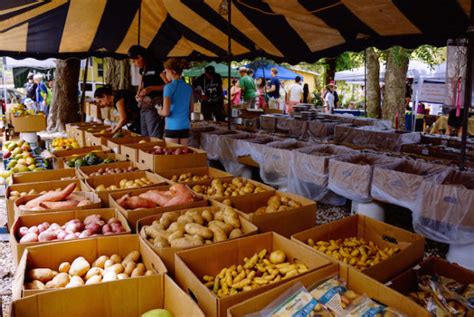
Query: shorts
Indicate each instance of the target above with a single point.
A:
(177, 134)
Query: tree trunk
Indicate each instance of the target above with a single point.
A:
(394, 93)
(65, 101)
(331, 69)
(117, 73)
(373, 84)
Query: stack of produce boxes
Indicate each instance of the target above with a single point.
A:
(167, 212)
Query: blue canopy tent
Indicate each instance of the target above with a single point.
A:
(283, 73)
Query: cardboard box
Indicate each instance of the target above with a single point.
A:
(95, 111)
(42, 176)
(213, 173)
(158, 163)
(134, 215)
(108, 180)
(27, 187)
(59, 156)
(102, 155)
(85, 171)
(167, 254)
(192, 264)
(286, 222)
(356, 281)
(130, 151)
(407, 282)
(29, 123)
(94, 138)
(59, 218)
(116, 144)
(79, 133)
(410, 244)
(53, 254)
(96, 203)
(131, 297)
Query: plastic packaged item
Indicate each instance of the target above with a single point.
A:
(296, 301)
(334, 295)
(366, 307)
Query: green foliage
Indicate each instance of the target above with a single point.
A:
(431, 55)
(349, 60)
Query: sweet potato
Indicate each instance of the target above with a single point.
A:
(47, 236)
(29, 237)
(92, 219)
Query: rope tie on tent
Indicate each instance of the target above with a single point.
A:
(273, 13)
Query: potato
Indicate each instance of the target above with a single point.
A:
(218, 234)
(129, 267)
(185, 242)
(79, 266)
(75, 281)
(154, 232)
(93, 271)
(122, 276)
(100, 261)
(168, 218)
(95, 279)
(133, 256)
(59, 281)
(219, 215)
(185, 219)
(108, 263)
(109, 275)
(197, 218)
(161, 242)
(176, 235)
(138, 271)
(175, 226)
(35, 285)
(194, 228)
(117, 268)
(207, 215)
(116, 258)
(42, 275)
(149, 273)
(231, 217)
(64, 267)
(235, 234)
(277, 257)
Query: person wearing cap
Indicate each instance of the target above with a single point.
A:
(30, 87)
(330, 98)
(208, 88)
(247, 84)
(150, 91)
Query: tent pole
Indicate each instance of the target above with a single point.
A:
(5, 94)
(84, 83)
(468, 88)
(365, 83)
(229, 61)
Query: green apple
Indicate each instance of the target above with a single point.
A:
(21, 168)
(32, 167)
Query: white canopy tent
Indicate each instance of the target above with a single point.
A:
(416, 69)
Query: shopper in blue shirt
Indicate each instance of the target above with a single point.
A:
(177, 103)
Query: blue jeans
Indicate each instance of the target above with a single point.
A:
(151, 124)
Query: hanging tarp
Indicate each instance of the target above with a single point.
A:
(283, 73)
(290, 30)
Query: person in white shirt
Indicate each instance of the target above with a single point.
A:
(295, 93)
(329, 99)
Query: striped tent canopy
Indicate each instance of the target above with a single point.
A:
(283, 30)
